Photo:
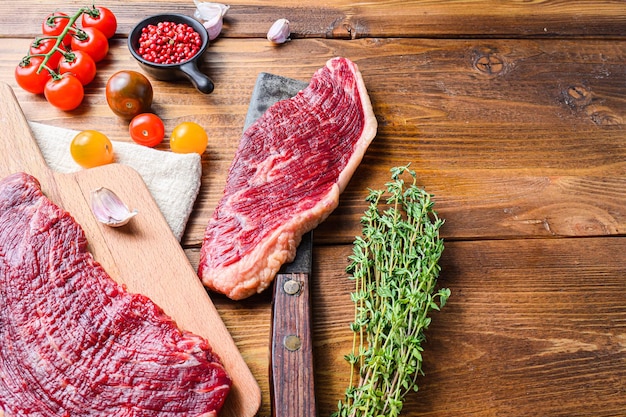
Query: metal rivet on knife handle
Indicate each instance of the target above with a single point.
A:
(291, 287)
(291, 357)
(292, 342)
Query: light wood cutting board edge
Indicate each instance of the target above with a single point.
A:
(143, 255)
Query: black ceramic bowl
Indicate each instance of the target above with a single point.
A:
(188, 69)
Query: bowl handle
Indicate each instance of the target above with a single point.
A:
(197, 78)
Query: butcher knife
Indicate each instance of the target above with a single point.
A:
(291, 352)
(291, 362)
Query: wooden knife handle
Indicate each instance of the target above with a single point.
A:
(291, 361)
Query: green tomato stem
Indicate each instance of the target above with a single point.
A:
(59, 38)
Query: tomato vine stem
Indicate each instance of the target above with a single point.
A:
(70, 27)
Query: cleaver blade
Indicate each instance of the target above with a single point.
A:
(291, 349)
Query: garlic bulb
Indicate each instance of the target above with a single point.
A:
(109, 209)
(279, 32)
(211, 15)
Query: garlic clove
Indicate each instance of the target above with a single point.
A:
(279, 32)
(211, 15)
(109, 209)
(214, 27)
(207, 10)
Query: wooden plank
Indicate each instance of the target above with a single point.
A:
(516, 138)
(534, 326)
(345, 19)
(532, 137)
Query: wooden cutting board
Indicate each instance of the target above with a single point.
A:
(144, 255)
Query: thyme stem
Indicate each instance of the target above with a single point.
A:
(395, 265)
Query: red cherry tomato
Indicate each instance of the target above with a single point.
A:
(105, 22)
(65, 93)
(43, 46)
(91, 41)
(54, 24)
(147, 129)
(27, 77)
(80, 64)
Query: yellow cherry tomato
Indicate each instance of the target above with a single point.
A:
(91, 148)
(189, 137)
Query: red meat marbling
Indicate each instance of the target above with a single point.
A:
(286, 178)
(75, 343)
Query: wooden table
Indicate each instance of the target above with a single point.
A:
(512, 113)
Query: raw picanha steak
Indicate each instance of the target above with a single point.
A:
(289, 170)
(75, 343)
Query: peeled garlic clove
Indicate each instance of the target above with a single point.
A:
(212, 16)
(109, 209)
(279, 32)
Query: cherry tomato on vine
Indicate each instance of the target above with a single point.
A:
(94, 43)
(65, 93)
(54, 24)
(129, 93)
(43, 46)
(80, 64)
(27, 77)
(189, 137)
(91, 148)
(105, 22)
(147, 129)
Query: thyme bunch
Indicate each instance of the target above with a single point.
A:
(395, 268)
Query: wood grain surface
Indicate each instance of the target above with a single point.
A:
(345, 19)
(512, 113)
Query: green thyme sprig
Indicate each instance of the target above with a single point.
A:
(395, 266)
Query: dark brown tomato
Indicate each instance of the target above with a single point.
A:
(129, 93)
